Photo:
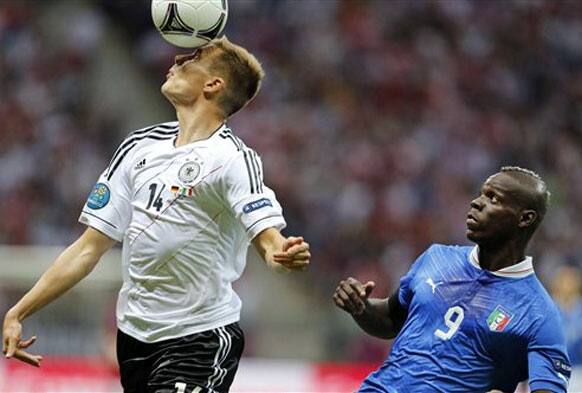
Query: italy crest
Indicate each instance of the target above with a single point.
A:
(499, 319)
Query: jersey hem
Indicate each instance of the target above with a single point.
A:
(186, 332)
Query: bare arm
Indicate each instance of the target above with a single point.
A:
(382, 318)
(280, 253)
(70, 267)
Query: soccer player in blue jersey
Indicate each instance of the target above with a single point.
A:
(471, 319)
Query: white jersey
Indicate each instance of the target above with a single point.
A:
(185, 216)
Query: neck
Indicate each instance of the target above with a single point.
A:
(196, 123)
(496, 257)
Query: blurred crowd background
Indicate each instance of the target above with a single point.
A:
(377, 123)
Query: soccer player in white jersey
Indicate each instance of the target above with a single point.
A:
(186, 199)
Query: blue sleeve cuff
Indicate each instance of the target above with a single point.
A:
(547, 385)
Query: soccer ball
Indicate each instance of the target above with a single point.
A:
(189, 23)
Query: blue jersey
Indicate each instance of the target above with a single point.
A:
(472, 330)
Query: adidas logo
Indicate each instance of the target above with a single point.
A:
(140, 164)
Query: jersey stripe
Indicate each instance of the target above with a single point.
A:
(249, 172)
(152, 135)
(251, 161)
(162, 128)
(159, 129)
(255, 170)
(227, 134)
(259, 171)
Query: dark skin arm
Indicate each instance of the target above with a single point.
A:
(382, 318)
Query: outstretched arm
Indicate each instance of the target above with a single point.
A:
(280, 253)
(382, 318)
(70, 267)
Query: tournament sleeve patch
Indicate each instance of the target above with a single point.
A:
(256, 205)
(562, 368)
(99, 196)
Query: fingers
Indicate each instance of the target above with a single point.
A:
(293, 248)
(11, 347)
(292, 241)
(369, 287)
(27, 343)
(293, 264)
(285, 258)
(295, 254)
(33, 360)
(351, 296)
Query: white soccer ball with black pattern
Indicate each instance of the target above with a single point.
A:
(189, 23)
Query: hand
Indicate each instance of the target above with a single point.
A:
(295, 254)
(352, 296)
(13, 345)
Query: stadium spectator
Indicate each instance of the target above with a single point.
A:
(566, 289)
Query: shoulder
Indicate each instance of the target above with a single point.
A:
(540, 297)
(139, 139)
(151, 133)
(543, 312)
(448, 250)
(229, 147)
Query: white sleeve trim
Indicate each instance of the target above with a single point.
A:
(275, 221)
(101, 225)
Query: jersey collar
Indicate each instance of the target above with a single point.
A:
(519, 270)
(202, 142)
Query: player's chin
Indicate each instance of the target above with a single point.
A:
(166, 88)
(472, 235)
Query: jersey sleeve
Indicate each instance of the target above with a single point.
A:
(405, 291)
(253, 203)
(548, 362)
(108, 206)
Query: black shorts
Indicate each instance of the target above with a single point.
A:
(201, 363)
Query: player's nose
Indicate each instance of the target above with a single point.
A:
(477, 203)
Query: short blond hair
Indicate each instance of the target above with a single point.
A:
(243, 74)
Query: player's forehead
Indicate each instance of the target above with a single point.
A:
(501, 182)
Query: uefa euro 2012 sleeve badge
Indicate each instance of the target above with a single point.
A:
(189, 172)
(99, 196)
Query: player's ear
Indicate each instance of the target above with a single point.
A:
(527, 218)
(213, 85)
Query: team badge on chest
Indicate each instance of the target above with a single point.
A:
(498, 319)
(189, 172)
